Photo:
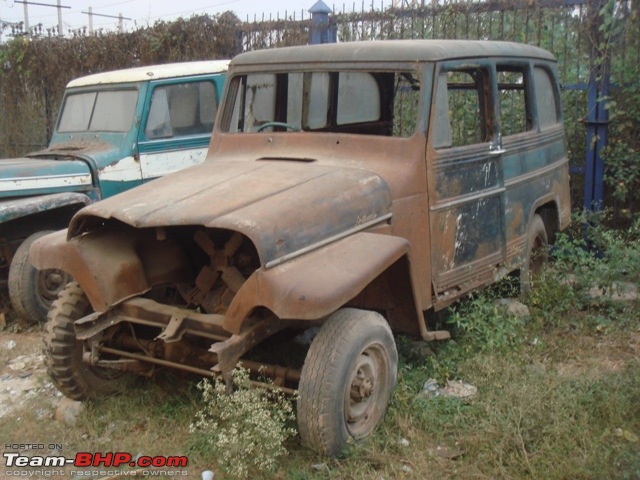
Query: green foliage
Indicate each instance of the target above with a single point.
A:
(619, 29)
(581, 278)
(481, 323)
(244, 430)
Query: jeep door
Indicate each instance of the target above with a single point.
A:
(177, 124)
(466, 186)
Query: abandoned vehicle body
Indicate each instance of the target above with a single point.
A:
(353, 187)
(115, 130)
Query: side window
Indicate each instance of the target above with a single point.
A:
(515, 115)
(460, 107)
(546, 101)
(182, 109)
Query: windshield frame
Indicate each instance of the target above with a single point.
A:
(235, 83)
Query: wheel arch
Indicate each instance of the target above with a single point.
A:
(548, 210)
(22, 217)
(363, 270)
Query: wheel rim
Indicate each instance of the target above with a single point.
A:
(365, 390)
(50, 284)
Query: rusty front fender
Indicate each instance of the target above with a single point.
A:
(316, 284)
(112, 266)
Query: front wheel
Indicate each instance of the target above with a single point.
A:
(347, 380)
(63, 352)
(33, 291)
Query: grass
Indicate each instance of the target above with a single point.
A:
(557, 399)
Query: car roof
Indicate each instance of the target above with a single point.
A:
(391, 51)
(152, 72)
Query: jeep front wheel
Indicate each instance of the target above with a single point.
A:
(347, 380)
(33, 291)
(75, 378)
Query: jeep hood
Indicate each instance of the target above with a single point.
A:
(282, 206)
(30, 176)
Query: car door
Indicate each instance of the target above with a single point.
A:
(177, 124)
(466, 186)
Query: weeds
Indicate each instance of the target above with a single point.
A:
(244, 430)
(591, 280)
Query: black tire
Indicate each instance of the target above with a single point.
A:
(347, 379)
(63, 352)
(537, 253)
(33, 291)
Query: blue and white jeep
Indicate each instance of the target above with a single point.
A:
(115, 130)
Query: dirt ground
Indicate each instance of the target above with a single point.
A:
(22, 371)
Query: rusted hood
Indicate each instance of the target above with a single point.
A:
(282, 206)
(77, 148)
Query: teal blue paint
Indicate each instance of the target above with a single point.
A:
(170, 144)
(15, 170)
(110, 188)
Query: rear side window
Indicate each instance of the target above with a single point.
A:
(515, 115)
(182, 109)
(546, 101)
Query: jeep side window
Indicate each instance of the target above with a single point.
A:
(158, 122)
(515, 115)
(459, 114)
(546, 100)
(182, 109)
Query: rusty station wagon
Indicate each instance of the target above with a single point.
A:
(354, 187)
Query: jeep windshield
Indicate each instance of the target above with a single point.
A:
(359, 102)
(98, 111)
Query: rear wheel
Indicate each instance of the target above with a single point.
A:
(537, 252)
(33, 291)
(347, 380)
(63, 352)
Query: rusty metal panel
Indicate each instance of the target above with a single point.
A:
(266, 200)
(112, 265)
(314, 285)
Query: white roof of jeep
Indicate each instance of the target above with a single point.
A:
(152, 72)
